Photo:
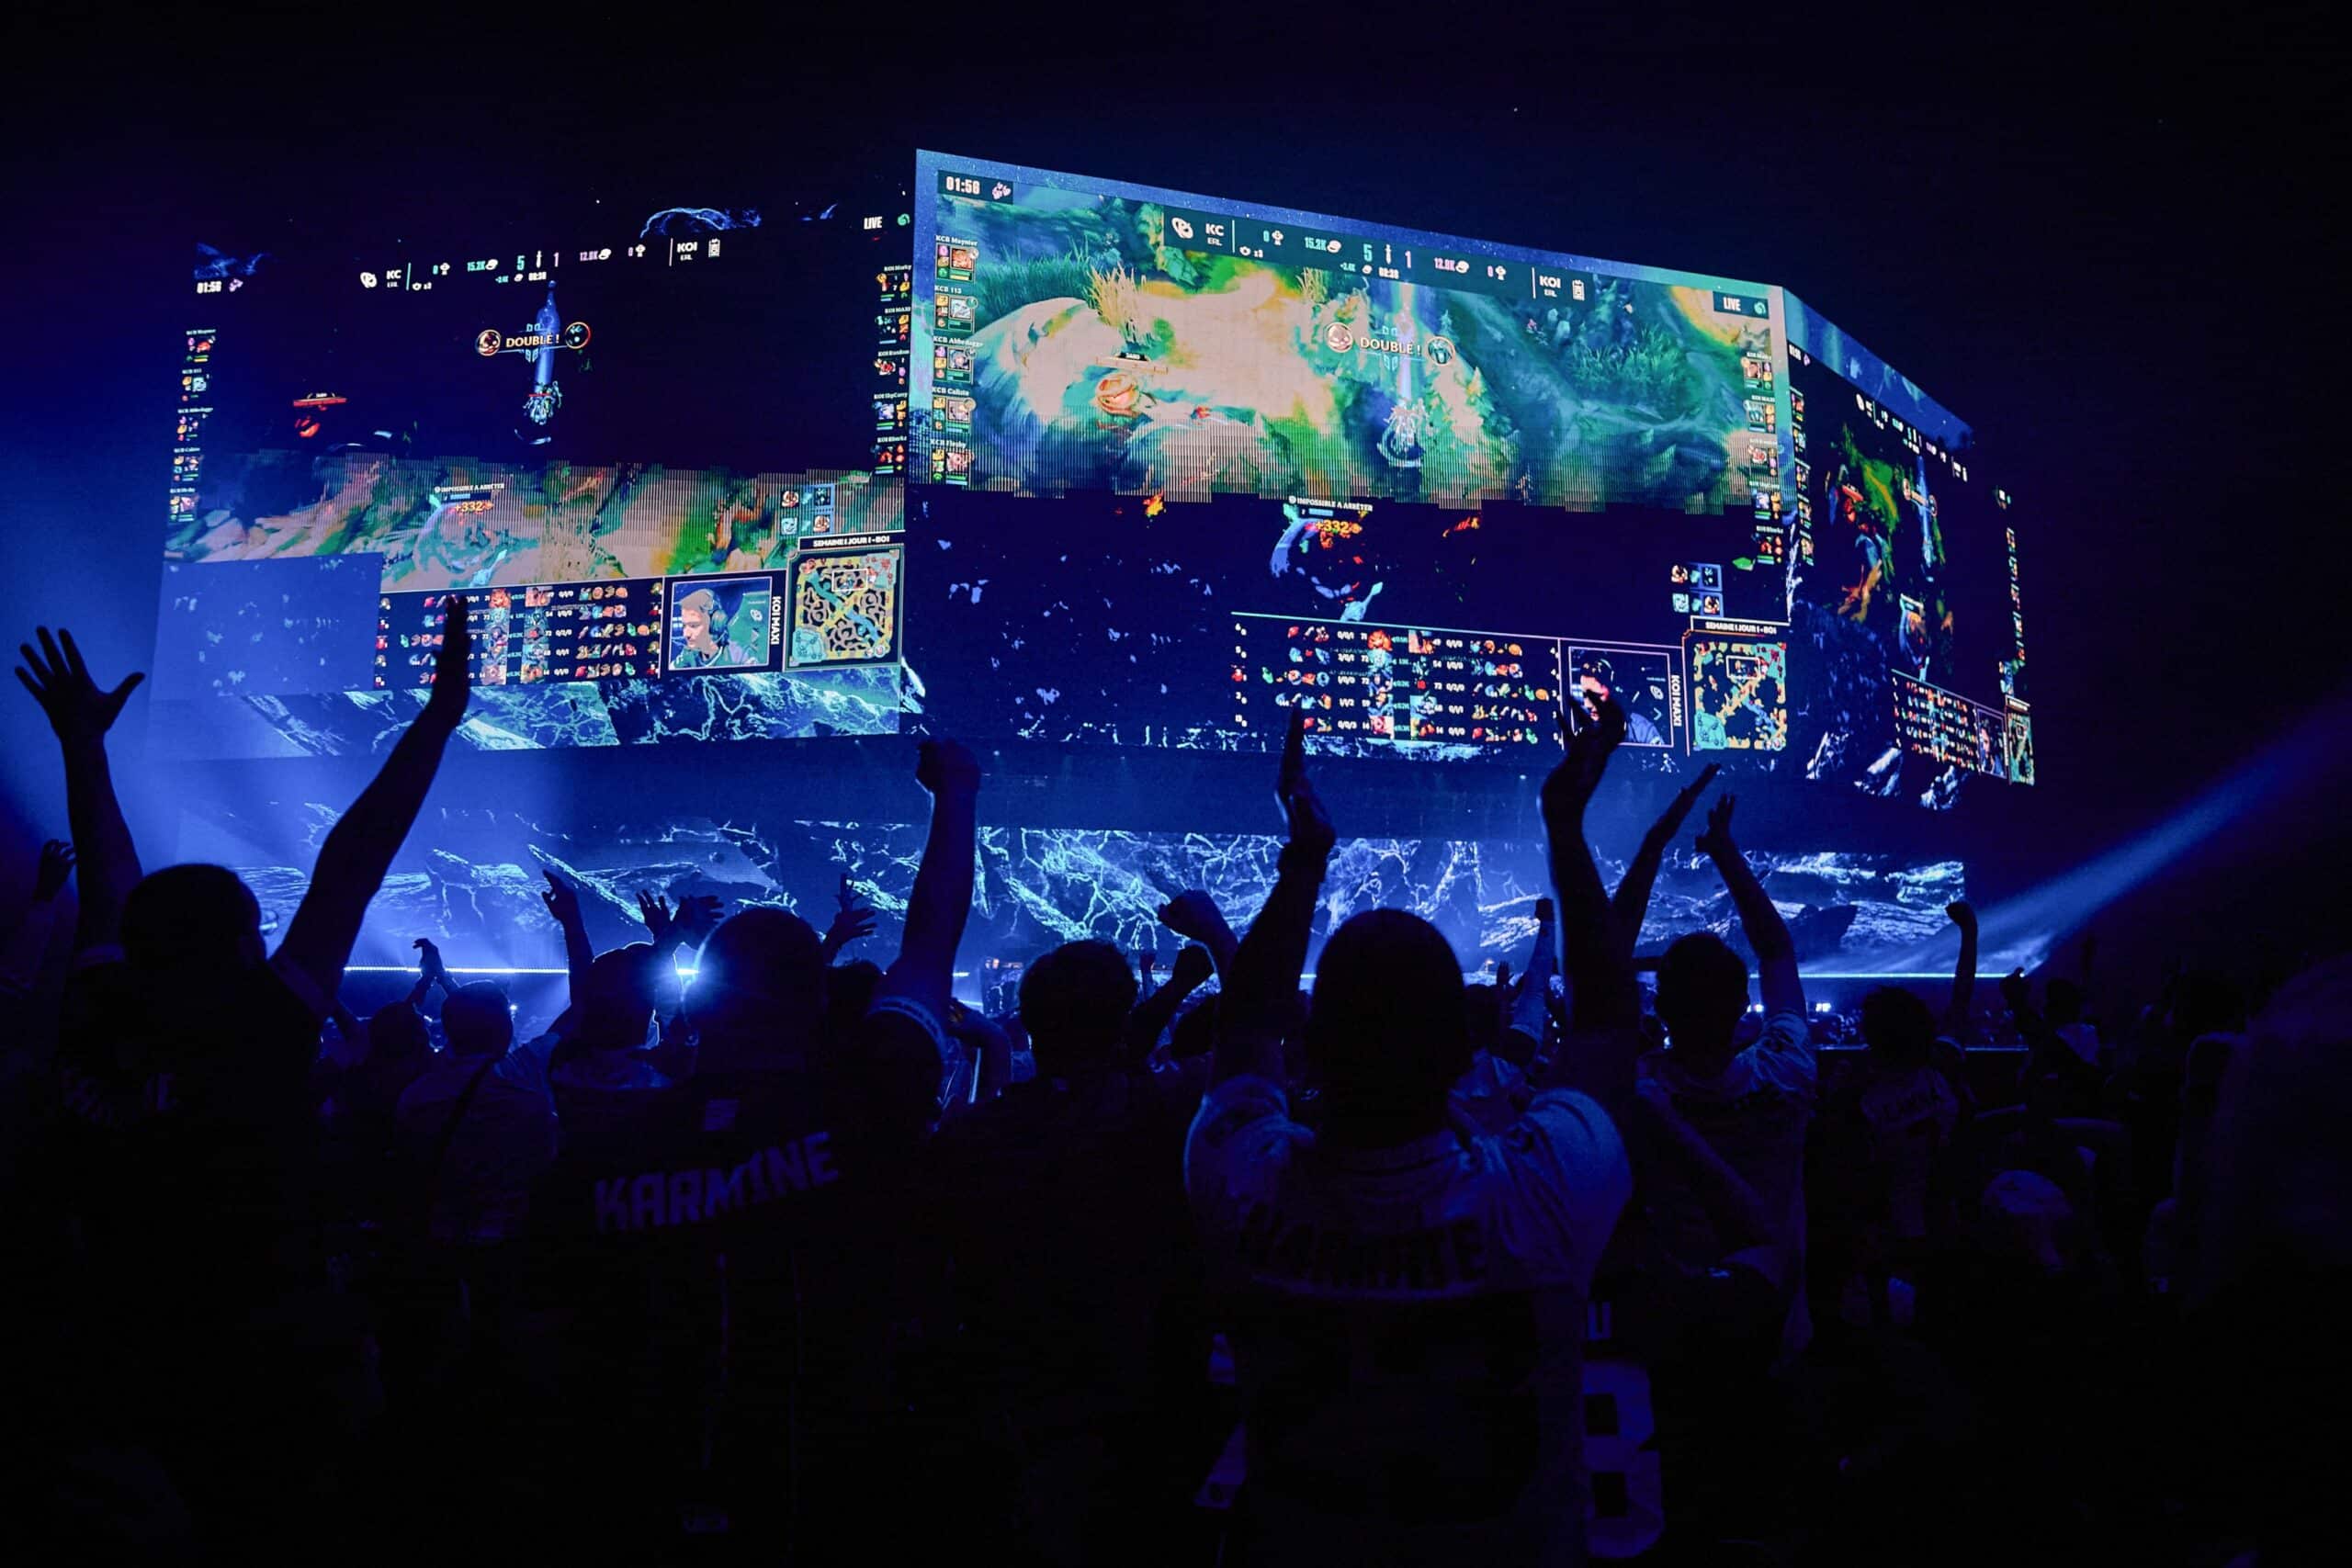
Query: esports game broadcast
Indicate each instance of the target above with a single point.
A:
(1243, 788)
(1108, 479)
(1193, 463)
(1061, 461)
(661, 452)
(1170, 788)
(1906, 595)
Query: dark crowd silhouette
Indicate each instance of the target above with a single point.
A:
(802, 1260)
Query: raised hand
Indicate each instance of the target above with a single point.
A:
(1292, 767)
(1962, 913)
(1192, 967)
(453, 665)
(655, 911)
(1716, 841)
(1685, 798)
(947, 768)
(78, 710)
(56, 866)
(1192, 914)
(940, 903)
(1588, 743)
(562, 901)
(697, 916)
(1310, 824)
(428, 962)
(853, 918)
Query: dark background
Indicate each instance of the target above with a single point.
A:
(2108, 245)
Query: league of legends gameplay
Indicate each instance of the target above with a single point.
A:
(609, 445)
(1104, 475)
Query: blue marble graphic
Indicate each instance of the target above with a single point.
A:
(471, 881)
(212, 262)
(766, 706)
(673, 220)
(562, 714)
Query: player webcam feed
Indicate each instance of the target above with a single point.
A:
(1904, 586)
(620, 446)
(1427, 488)
(721, 623)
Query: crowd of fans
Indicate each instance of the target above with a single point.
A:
(807, 1260)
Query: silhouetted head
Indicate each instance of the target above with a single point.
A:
(2063, 1001)
(192, 917)
(759, 992)
(478, 1020)
(1899, 1028)
(616, 1004)
(1701, 997)
(396, 1033)
(2281, 1171)
(1074, 1003)
(1385, 1033)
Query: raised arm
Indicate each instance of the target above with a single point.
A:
(670, 929)
(352, 1045)
(1262, 986)
(20, 962)
(81, 713)
(355, 855)
(852, 919)
(941, 901)
(1530, 1004)
(1193, 914)
(1957, 1019)
(1631, 903)
(562, 901)
(1599, 970)
(2052, 1057)
(1151, 1016)
(431, 972)
(1768, 934)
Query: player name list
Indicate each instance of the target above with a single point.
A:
(1362, 681)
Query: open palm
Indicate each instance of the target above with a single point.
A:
(78, 709)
